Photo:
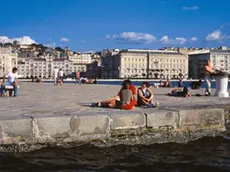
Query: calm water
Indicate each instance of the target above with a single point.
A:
(208, 154)
(138, 83)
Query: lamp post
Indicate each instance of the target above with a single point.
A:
(118, 71)
(148, 66)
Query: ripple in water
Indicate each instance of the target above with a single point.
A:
(209, 154)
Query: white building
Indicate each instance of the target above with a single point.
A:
(136, 63)
(8, 60)
(81, 67)
(43, 68)
(80, 58)
(220, 59)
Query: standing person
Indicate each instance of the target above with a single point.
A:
(167, 83)
(77, 75)
(55, 75)
(209, 70)
(60, 76)
(12, 79)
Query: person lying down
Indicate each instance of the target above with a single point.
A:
(180, 92)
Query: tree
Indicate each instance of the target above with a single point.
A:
(8, 44)
(59, 49)
(34, 45)
(42, 47)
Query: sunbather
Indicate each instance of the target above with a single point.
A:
(180, 92)
(125, 99)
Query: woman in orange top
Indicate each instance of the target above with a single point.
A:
(125, 99)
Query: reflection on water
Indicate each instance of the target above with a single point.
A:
(209, 154)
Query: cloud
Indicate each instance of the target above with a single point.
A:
(224, 25)
(178, 40)
(165, 39)
(25, 40)
(107, 36)
(190, 8)
(51, 45)
(193, 39)
(215, 36)
(64, 40)
(133, 37)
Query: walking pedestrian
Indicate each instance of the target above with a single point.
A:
(55, 75)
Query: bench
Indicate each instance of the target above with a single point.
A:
(9, 90)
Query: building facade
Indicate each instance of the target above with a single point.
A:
(220, 59)
(135, 63)
(8, 60)
(42, 68)
(80, 58)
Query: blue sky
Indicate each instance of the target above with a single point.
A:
(85, 25)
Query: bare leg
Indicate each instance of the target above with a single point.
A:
(107, 103)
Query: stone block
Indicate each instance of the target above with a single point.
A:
(15, 131)
(127, 120)
(162, 118)
(17, 127)
(202, 117)
(52, 126)
(90, 125)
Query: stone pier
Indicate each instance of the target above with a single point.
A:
(45, 115)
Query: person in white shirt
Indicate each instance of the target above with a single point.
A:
(12, 79)
(60, 76)
(55, 75)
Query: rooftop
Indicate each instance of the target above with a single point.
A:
(149, 51)
(209, 51)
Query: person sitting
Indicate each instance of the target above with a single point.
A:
(83, 80)
(125, 99)
(145, 96)
(90, 81)
(196, 84)
(178, 92)
(161, 83)
(12, 79)
(180, 83)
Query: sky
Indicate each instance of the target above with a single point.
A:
(93, 25)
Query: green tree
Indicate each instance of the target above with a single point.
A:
(59, 49)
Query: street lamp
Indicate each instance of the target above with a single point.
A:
(118, 71)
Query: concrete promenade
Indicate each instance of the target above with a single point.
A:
(44, 113)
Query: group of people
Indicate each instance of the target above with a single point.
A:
(126, 97)
(58, 76)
